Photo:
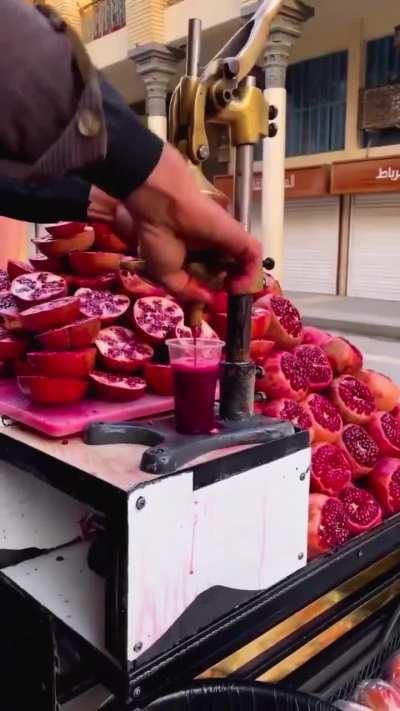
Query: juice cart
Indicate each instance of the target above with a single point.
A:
(143, 563)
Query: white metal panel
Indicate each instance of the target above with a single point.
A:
(311, 243)
(374, 257)
(232, 533)
(63, 583)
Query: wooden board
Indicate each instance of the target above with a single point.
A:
(71, 419)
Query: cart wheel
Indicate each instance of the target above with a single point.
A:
(237, 696)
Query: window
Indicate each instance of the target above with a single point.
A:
(383, 62)
(316, 108)
(383, 67)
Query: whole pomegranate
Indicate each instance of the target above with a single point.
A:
(259, 349)
(285, 409)
(343, 356)
(326, 422)
(353, 399)
(327, 525)
(385, 392)
(330, 469)
(384, 483)
(285, 327)
(120, 350)
(361, 450)
(314, 336)
(283, 376)
(362, 510)
(316, 365)
(385, 430)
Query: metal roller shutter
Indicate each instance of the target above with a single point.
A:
(374, 257)
(311, 245)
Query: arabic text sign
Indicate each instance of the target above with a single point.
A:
(299, 183)
(370, 176)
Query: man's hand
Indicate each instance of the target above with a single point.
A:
(173, 218)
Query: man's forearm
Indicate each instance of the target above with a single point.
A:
(61, 199)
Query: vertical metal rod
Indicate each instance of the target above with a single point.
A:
(193, 48)
(238, 372)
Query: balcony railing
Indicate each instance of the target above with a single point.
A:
(101, 17)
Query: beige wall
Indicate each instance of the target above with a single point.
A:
(110, 49)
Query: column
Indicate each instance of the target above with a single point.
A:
(284, 32)
(157, 66)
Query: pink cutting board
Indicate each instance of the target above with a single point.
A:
(70, 419)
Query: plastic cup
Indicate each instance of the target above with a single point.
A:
(195, 366)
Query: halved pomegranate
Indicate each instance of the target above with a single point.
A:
(260, 349)
(155, 318)
(79, 334)
(159, 378)
(315, 337)
(135, 286)
(285, 326)
(15, 268)
(385, 392)
(385, 430)
(378, 695)
(270, 286)
(9, 313)
(330, 469)
(117, 388)
(362, 510)
(120, 349)
(5, 282)
(353, 399)
(65, 230)
(106, 240)
(260, 320)
(40, 263)
(283, 376)
(11, 347)
(44, 390)
(50, 315)
(69, 364)
(22, 367)
(52, 247)
(32, 289)
(316, 365)
(102, 304)
(285, 409)
(327, 525)
(94, 263)
(361, 449)
(343, 356)
(326, 422)
(384, 483)
(100, 283)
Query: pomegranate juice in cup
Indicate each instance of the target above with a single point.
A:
(195, 365)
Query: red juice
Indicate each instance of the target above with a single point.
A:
(195, 385)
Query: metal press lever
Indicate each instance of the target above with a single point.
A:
(168, 451)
